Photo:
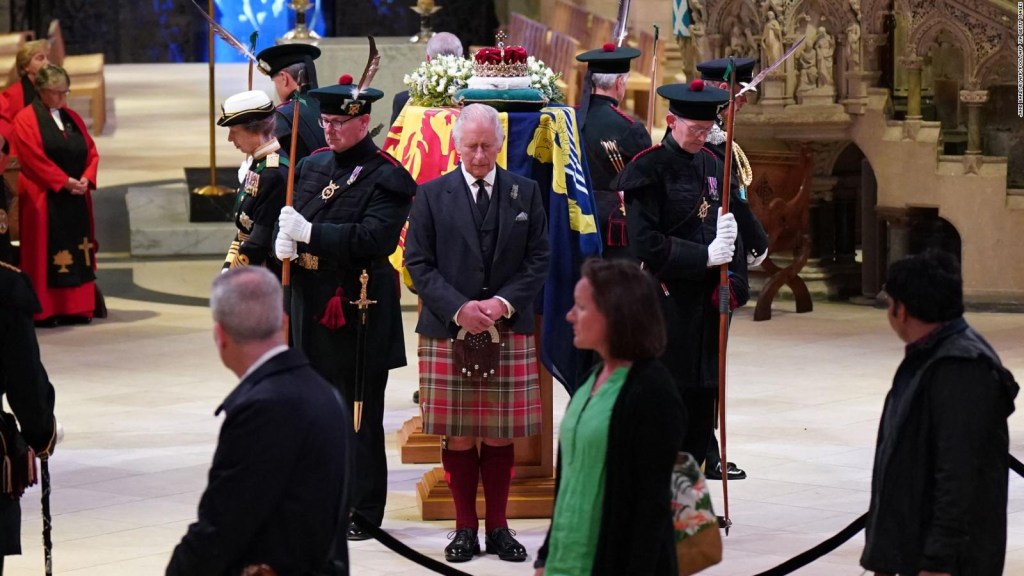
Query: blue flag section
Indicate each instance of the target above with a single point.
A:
(550, 149)
(271, 18)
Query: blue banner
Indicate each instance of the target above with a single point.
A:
(271, 18)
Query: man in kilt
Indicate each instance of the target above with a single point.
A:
(478, 254)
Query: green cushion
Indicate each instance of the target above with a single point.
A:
(515, 100)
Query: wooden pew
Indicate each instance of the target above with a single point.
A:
(86, 73)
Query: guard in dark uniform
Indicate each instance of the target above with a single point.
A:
(24, 383)
(284, 63)
(753, 235)
(351, 202)
(611, 137)
(673, 196)
(250, 118)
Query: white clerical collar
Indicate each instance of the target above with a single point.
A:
(55, 114)
(471, 180)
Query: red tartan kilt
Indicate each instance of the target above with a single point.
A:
(506, 406)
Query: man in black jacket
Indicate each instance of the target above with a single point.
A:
(291, 68)
(350, 205)
(276, 491)
(939, 488)
(29, 392)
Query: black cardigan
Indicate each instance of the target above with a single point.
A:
(647, 427)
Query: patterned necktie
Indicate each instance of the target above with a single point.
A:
(483, 200)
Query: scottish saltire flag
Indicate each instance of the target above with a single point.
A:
(682, 19)
(544, 146)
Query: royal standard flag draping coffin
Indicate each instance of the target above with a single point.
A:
(546, 147)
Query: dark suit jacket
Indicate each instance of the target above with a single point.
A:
(397, 103)
(277, 479)
(443, 254)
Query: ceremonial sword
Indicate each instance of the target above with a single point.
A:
(363, 304)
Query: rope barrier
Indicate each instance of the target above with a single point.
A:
(787, 567)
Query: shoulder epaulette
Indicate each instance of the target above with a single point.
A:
(10, 267)
(318, 150)
(623, 114)
(389, 158)
(642, 152)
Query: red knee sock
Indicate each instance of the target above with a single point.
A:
(462, 470)
(496, 471)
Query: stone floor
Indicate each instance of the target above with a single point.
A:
(136, 394)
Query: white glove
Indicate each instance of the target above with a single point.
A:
(293, 224)
(756, 260)
(722, 248)
(285, 248)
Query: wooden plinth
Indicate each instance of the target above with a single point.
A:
(528, 497)
(417, 447)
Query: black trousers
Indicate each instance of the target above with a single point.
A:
(368, 479)
(700, 409)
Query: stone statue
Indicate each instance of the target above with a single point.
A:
(776, 7)
(738, 42)
(701, 44)
(771, 41)
(855, 5)
(807, 69)
(697, 12)
(825, 48)
(853, 47)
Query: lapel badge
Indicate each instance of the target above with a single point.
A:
(328, 190)
(354, 175)
(245, 220)
(515, 191)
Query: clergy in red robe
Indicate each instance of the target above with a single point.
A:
(30, 58)
(58, 172)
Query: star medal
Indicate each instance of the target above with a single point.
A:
(354, 175)
(328, 190)
(245, 220)
(703, 210)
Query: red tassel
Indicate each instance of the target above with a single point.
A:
(334, 315)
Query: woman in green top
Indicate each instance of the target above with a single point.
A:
(619, 437)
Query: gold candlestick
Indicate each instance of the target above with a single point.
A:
(301, 33)
(426, 9)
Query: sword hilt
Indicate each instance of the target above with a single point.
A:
(363, 302)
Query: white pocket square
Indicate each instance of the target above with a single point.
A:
(522, 217)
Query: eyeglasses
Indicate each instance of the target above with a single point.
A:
(694, 130)
(334, 124)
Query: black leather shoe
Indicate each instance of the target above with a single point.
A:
(734, 472)
(357, 534)
(502, 543)
(464, 545)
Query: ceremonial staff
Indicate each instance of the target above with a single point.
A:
(289, 196)
(44, 469)
(723, 292)
(363, 304)
(652, 98)
(723, 279)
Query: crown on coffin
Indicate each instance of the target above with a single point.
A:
(500, 61)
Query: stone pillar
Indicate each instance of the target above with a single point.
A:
(913, 64)
(974, 99)
(872, 229)
(898, 232)
(822, 214)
